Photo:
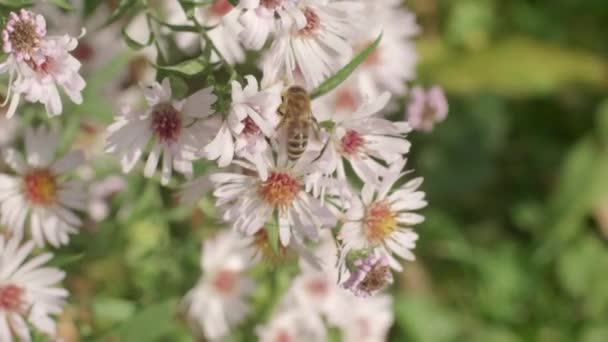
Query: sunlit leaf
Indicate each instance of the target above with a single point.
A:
(190, 67)
(134, 44)
(65, 4)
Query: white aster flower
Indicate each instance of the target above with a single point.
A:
(219, 301)
(292, 326)
(383, 218)
(39, 194)
(29, 292)
(39, 65)
(365, 319)
(362, 138)
(260, 18)
(393, 63)
(252, 119)
(224, 31)
(308, 55)
(172, 125)
(250, 201)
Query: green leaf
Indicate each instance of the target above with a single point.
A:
(334, 81)
(134, 44)
(16, 3)
(233, 2)
(190, 67)
(150, 324)
(64, 260)
(123, 7)
(65, 4)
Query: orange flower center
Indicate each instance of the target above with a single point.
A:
(40, 187)
(279, 190)
(379, 222)
(11, 298)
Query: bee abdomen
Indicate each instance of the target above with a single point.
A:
(296, 145)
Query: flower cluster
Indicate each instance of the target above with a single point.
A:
(321, 179)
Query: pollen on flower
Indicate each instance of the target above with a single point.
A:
(225, 282)
(379, 222)
(11, 298)
(22, 34)
(279, 190)
(312, 22)
(220, 7)
(40, 187)
(166, 122)
(351, 143)
(250, 126)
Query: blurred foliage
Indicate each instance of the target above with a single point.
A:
(515, 243)
(514, 247)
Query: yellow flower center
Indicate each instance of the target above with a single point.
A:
(40, 187)
(379, 222)
(279, 190)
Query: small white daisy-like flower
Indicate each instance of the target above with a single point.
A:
(365, 319)
(382, 218)
(29, 292)
(40, 192)
(173, 126)
(219, 301)
(250, 201)
(308, 55)
(427, 108)
(224, 32)
(260, 18)
(393, 62)
(252, 119)
(362, 138)
(39, 65)
(292, 326)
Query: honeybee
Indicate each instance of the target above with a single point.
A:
(298, 119)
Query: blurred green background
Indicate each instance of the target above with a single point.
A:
(515, 243)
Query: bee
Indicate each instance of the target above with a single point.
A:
(298, 119)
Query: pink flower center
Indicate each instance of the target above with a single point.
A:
(312, 22)
(225, 282)
(40, 187)
(279, 190)
(282, 336)
(166, 122)
(220, 8)
(317, 287)
(271, 4)
(11, 298)
(346, 100)
(250, 126)
(43, 68)
(379, 222)
(351, 143)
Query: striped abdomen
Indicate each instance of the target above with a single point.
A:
(297, 138)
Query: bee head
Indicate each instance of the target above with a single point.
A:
(297, 98)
